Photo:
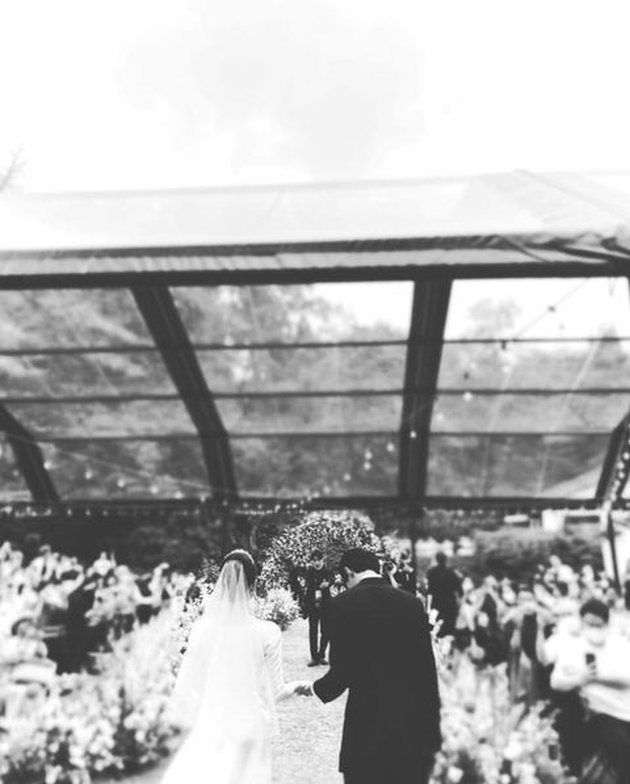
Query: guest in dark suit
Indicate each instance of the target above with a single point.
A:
(445, 589)
(381, 652)
(316, 603)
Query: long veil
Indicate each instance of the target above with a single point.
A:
(222, 688)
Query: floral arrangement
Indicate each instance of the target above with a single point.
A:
(103, 723)
(279, 606)
(486, 739)
(331, 532)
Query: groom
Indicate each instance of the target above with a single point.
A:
(381, 652)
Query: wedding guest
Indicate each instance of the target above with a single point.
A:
(24, 658)
(597, 665)
(316, 601)
(406, 574)
(445, 590)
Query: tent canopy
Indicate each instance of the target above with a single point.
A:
(185, 343)
(466, 225)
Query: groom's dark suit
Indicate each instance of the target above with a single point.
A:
(381, 652)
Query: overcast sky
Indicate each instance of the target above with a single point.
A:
(170, 93)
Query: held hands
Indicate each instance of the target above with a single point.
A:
(303, 688)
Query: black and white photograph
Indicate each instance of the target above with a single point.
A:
(314, 392)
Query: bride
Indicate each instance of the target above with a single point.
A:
(228, 684)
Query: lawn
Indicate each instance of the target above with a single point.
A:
(306, 750)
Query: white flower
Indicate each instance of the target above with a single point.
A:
(454, 774)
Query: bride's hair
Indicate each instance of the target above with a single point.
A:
(249, 565)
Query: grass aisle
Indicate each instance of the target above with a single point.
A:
(307, 748)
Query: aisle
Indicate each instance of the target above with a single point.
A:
(306, 751)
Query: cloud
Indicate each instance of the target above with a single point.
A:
(159, 93)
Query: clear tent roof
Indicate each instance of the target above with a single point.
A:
(309, 379)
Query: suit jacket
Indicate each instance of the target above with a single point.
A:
(381, 652)
(314, 579)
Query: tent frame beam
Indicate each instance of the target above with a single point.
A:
(29, 459)
(428, 320)
(164, 322)
(563, 268)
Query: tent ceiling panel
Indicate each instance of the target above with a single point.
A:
(332, 466)
(70, 318)
(79, 375)
(548, 413)
(278, 370)
(52, 420)
(330, 414)
(549, 365)
(512, 465)
(120, 469)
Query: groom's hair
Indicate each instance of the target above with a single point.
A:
(359, 560)
(249, 565)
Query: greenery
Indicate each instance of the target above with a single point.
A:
(331, 532)
(517, 552)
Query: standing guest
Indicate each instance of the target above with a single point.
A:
(445, 589)
(381, 652)
(53, 620)
(316, 601)
(80, 603)
(144, 597)
(521, 629)
(597, 664)
(406, 574)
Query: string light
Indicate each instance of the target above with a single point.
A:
(390, 447)
(468, 396)
(413, 434)
(121, 483)
(346, 477)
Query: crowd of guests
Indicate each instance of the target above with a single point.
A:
(57, 615)
(564, 638)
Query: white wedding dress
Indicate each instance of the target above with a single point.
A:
(229, 682)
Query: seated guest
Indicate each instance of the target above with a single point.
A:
(596, 664)
(26, 669)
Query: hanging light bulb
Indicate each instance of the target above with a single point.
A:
(468, 396)
(47, 465)
(121, 483)
(89, 474)
(413, 434)
(154, 489)
(178, 494)
(346, 477)
(367, 466)
(368, 455)
(390, 446)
